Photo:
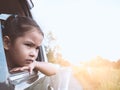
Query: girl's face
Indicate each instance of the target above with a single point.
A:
(25, 48)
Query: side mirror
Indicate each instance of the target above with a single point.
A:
(31, 5)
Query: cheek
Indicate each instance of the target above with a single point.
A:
(20, 54)
(21, 57)
(23, 53)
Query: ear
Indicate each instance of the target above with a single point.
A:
(6, 42)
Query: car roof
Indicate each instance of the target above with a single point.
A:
(19, 7)
(10, 6)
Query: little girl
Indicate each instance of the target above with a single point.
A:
(22, 38)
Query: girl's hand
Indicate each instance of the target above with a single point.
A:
(30, 68)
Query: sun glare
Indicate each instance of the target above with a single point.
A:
(85, 29)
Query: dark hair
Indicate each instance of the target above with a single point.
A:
(16, 26)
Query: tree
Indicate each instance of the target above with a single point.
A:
(51, 47)
(53, 50)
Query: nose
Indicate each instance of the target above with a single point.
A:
(34, 53)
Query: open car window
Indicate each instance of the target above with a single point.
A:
(13, 81)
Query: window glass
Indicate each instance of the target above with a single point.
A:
(3, 64)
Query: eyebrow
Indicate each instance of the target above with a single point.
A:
(31, 42)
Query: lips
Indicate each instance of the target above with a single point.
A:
(28, 61)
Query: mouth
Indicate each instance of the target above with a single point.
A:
(28, 61)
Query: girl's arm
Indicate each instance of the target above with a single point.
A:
(45, 68)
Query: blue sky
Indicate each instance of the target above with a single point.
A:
(84, 28)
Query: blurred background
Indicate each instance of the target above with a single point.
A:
(84, 35)
(84, 29)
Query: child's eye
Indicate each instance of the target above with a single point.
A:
(29, 45)
(37, 48)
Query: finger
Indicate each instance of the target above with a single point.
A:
(15, 69)
(31, 67)
(24, 68)
(31, 70)
(19, 69)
